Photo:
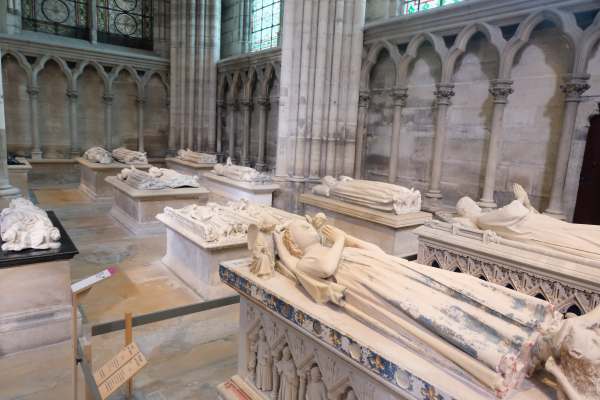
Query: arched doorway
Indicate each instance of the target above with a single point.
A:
(588, 196)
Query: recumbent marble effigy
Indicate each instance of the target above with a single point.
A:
(518, 247)
(384, 212)
(127, 156)
(192, 163)
(26, 226)
(199, 237)
(98, 155)
(157, 178)
(239, 182)
(424, 332)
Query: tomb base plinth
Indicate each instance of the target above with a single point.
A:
(276, 314)
(258, 193)
(18, 175)
(196, 262)
(136, 209)
(93, 177)
(189, 167)
(393, 233)
(36, 307)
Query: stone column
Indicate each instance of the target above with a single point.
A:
(93, 21)
(7, 192)
(36, 151)
(140, 102)
(573, 88)
(246, 105)
(233, 108)
(361, 133)
(399, 102)
(221, 110)
(263, 113)
(500, 90)
(73, 96)
(443, 94)
(108, 104)
(302, 384)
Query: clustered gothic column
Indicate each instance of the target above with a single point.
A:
(444, 92)
(246, 105)
(221, 111)
(573, 88)
(195, 49)
(140, 103)
(500, 90)
(233, 108)
(108, 103)
(361, 133)
(73, 96)
(36, 151)
(7, 192)
(399, 102)
(263, 113)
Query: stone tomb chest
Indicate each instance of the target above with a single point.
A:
(93, 177)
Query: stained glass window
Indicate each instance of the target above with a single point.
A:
(265, 21)
(59, 17)
(414, 6)
(125, 22)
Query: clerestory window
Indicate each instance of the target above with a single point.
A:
(265, 24)
(415, 6)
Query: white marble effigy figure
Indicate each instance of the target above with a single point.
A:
(127, 156)
(216, 223)
(174, 179)
(372, 194)
(195, 157)
(495, 334)
(25, 226)
(141, 180)
(98, 155)
(519, 221)
(238, 172)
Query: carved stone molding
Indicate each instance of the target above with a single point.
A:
(72, 94)
(364, 99)
(561, 294)
(444, 93)
(263, 102)
(500, 90)
(33, 91)
(399, 97)
(575, 86)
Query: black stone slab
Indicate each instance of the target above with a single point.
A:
(66, 251)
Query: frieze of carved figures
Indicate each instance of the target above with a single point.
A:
(371, 194)
(565, 298)
(127, 156)
(284, 365)
(98, 155)
(25, 226)
(174, 179)
(356, 276)
(217, 223)
(195, 157)
(239, 173)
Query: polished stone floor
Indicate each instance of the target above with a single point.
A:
(188, 356)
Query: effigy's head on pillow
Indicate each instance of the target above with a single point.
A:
(300, 235)
(468, 208)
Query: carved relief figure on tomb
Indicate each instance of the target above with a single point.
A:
(216, 223)
(239, 173)
(252, 358)
(174, 179)
(264, 363)
(372, 194)
(25, 226)
(288, 377)
(195, 157)
(127, 156)
(260, 243)
(519, 221)
(141, 180)
(456, 316)
(98, 155)
(316, 390)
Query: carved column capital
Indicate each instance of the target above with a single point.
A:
(263, 102)
(575, 86)
(245, 103)
(140, 100)
(364, 99)
(500, 90)
(220, 104)
(72, 94)
(444, 93)
(233, 104)
(108, 99)
(399, 97)
(33, 91)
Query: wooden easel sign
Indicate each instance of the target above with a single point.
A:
(119, 370)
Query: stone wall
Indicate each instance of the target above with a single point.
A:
(232, 31)
(403, 68)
